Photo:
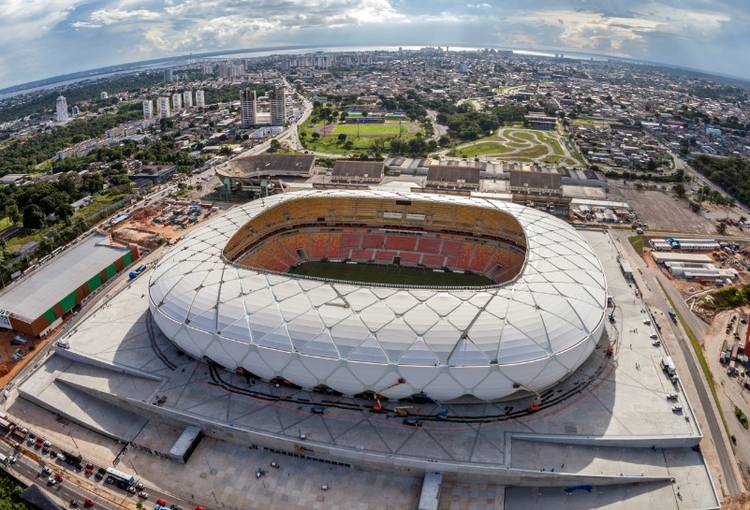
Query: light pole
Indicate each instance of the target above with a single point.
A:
(74, 442)
(131, 465)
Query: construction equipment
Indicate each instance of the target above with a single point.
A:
(443, 413)
(402, 410)
(534, 407)
(378, 406)
(611, 348)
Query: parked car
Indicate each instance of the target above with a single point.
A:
(73, 503)
(46, 471)
(143, 495)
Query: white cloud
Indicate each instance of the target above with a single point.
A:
(55, 34)
(111, 16)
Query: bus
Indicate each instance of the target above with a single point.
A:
(119, 476)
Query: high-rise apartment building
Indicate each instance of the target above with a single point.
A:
(148, 109)
(248, 108)
(277, 99)
(162, 107)
(167, 75)
(200, 99)
(74, 111)
(176, 102)
(187, 98)
(61, 107)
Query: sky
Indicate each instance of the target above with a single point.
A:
(45, 38)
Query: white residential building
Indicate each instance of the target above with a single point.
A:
(248, 108)
(148, 109)
(176, 101)
(277, 98)
(200, 99)
(62, 109)
(162, 107)
(187, 98)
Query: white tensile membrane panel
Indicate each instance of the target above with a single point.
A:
(447, 342)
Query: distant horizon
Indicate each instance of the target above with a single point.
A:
(55, 81)
(46, 39)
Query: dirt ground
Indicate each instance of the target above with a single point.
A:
(663, 211)
(8, 367)
(140, 228)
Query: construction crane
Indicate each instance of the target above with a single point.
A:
(534, 407)
(378, 406)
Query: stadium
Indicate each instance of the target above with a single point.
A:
(508, 300)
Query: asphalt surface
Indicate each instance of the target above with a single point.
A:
(657, 300)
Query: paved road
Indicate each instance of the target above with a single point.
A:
(696, 373)
(27, 469)
(658, 300)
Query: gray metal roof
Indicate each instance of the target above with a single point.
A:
(46, 286)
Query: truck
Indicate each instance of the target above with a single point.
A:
(136, 272)
(672, 316)
(668, 365)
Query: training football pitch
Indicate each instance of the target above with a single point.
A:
(389, 274)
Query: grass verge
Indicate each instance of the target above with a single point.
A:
(637, 243)
(701, 357)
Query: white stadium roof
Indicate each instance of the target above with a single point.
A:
(448, 342)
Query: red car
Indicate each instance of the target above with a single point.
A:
(87, 502)
(160, 502)
(59, 478)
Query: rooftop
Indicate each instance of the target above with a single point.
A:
(44, 288)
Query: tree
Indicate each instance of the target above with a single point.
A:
(33, 217)
(13, 214)
(92, 183)
(721, 229)
(275, 146)
(342, 137)
(64, 212)
(679, 190)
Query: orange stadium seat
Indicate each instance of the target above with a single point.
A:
(319, 244)
(429, 245)
(464, 256)
(397, 242)
(432, 260)
(480, 258)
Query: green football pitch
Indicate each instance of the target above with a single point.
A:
(389, 274)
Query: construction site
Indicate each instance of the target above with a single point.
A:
(162, 222)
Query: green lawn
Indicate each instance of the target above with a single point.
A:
(553, 160)
(481, 149)
(517, 145)
(388, 274)
(330, 143)
(523, 135)
(536, 151)
(387, 129)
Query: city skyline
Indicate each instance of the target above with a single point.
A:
(46, 39)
